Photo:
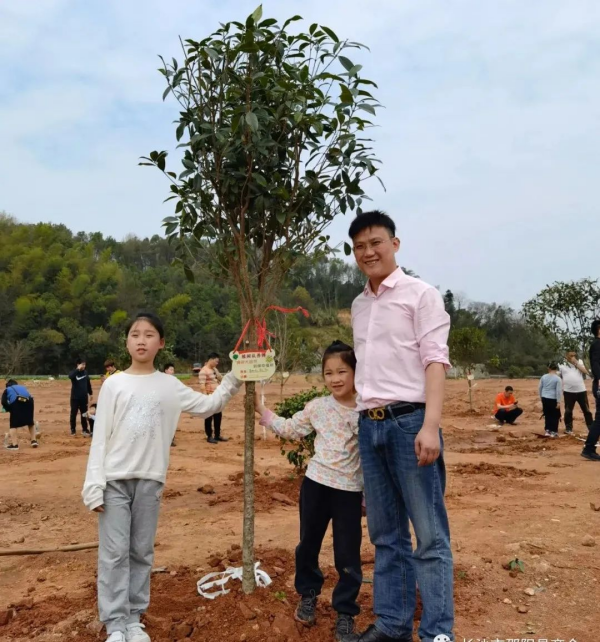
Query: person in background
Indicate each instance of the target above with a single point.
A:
(111, 368)
(209, 379)
(17, 401)
(81, 395)
(91, 416)
(572, 373)
(551, 392)
(589, 449)
(169, 368)
(506, 407)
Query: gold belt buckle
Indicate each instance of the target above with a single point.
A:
(376, 414)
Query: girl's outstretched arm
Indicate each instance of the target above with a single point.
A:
(296, 427)
(203, 405)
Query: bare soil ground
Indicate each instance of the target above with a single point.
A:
(510, 495)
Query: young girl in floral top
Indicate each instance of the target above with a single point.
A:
(331, 490)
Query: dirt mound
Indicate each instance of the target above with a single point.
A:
(12, 507)
(484, 468)
(269, 492)
(511, 447)
(177, 612)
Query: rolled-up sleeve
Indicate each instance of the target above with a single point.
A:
(432, 326)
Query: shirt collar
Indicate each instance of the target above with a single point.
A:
(397, 276)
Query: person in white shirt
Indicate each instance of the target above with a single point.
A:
(573, 372)
(136, 419)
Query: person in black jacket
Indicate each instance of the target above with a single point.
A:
(81, 395)
(589, 450)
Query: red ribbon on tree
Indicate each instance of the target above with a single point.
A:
(262, 333)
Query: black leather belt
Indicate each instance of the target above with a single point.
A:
(392, 411)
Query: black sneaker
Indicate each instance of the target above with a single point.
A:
(73, 434)
(592, 456)
(222, 438)
(344, 629)
(34, 444)
(212, 440)
(11, 447)
(569, 431)
(86, 433)
(306, 612)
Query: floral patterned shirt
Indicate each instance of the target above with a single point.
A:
(336, 462)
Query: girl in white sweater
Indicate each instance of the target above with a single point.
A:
(136, 419)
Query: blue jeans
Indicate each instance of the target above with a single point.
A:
(396, 491)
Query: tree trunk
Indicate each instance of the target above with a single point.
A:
(470, 392)
(248, 579)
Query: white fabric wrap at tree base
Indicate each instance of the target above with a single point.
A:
(209, 581)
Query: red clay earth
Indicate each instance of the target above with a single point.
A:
(510, 495)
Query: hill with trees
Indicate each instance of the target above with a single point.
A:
(65, 294)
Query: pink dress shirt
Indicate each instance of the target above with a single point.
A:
(398, 332)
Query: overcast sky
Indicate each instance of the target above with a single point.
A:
(490, 136)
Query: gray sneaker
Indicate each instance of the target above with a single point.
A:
(344, 629)
(306, 612)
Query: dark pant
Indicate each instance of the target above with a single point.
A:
(551, 411)
(594, 434)
(571, 398)
(79, 405)
(208, 422)
(397, 491)
(509, 416)
(319, 505)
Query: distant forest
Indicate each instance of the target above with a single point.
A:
(65, 295)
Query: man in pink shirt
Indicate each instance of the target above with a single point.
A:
(400, 338)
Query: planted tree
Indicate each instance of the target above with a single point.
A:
(272, 126)
(564, 311)
(467, 348)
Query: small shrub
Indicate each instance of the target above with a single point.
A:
(514, 372)
(301, 451)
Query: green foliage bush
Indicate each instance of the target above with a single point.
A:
(300, 451)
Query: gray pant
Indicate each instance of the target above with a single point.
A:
(126, 551)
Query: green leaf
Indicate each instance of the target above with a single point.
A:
(348, 64)
(257, 15)
(290, 20)
(347, 249)
(330, 33)
(346, 96)
(166, 92)
(260, 179)
(189, 275)
(368, 108)
(252, 121)
(281, 216)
